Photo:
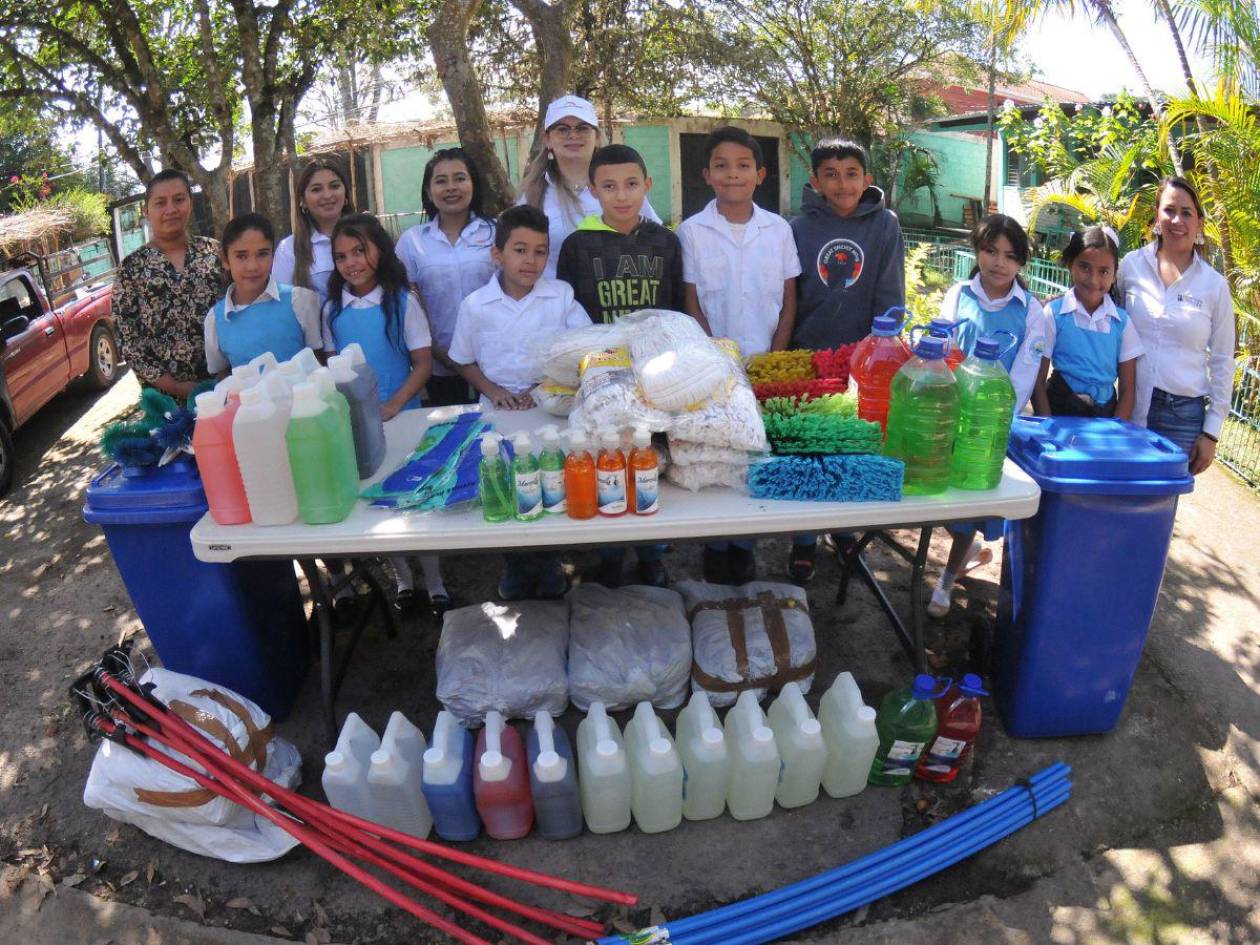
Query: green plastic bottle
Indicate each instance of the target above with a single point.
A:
(551, 466)
(326, 485)
(923, 419)
(986, 408)
(497, 502)
(906, 724)
(526, 480)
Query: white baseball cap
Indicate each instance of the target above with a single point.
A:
(570, 106)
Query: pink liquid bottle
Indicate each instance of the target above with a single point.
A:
(216, 459)
(876, 359)
(501, 781)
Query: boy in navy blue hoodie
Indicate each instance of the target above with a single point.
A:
(853, 262)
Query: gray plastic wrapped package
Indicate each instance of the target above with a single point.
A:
(628, 645)
(506, 657)
(757, 636)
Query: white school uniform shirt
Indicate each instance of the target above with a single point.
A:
(415, 325)
(445, 275)
(1187, 331)
(561, 219)
(739, 271)
(306, 306)
(497, 332)
(284, 262)
(1032, 349)
(1100, 320)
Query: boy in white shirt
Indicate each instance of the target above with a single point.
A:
(739, 281)
(496, 323)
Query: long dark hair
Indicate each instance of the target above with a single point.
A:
(391, 275)
(451, 154)
(989, 230)
(303, 256)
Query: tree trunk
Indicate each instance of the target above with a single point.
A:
(549, 24)
(1107, 15)
(990, 113)
(448, 42)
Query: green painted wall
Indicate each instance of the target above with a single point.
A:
(652, 141)
(800, 172)
(402, 170)
(961, 162)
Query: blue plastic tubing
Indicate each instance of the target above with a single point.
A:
(949, 839)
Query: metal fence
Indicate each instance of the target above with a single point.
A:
(1239, 448)
(397, 223)
(1043, 277)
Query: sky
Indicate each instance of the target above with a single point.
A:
(1108, 68)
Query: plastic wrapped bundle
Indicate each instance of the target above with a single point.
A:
(834, 362)
(818, 387)
(609, 395)
(773, 366)
(561, 355)
(827, 478)
(758, 636)
(734, 423)
(506, 657)
(700, 475)
(628, 645)
(685, 452)
(554, 397)
(678, 366)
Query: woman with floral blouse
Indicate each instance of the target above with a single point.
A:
(164, 290)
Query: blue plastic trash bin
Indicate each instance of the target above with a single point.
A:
(1081, 577)
(239, 625)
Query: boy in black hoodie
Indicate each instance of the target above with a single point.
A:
(853, 263)
(853, 258)
(617, 261)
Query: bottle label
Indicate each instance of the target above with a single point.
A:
(902, 757)
(553, 490)
(610, 487)
(528, 494)
(647, 497)
(946, 749)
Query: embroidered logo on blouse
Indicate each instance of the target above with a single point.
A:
(840, 261)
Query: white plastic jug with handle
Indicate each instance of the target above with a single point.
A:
(705, 760)
(265, 362)
(656, 773)
(346, 768)
(802, 750)
(603, 772)
(394, 779)
(263, 457)
(848, 727)
(754, 776)
(306, 360)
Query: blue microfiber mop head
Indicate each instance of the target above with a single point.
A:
(134, 451)
(176, 430)
(847, 478)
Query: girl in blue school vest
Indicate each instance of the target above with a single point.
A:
(1091, 343)
(993, 301)
(257, 314)
(370, 303)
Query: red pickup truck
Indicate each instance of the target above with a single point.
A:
(43, 348)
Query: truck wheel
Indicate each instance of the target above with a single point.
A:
(8, 458)
(102, 358)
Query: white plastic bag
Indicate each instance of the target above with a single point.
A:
(506, 657)
(685, 452)
(140, 791)
(699, 475)
(554, 397)
(678, 366)
(628, 645)
(609, 395)
(734, 423)
(561, 354)
(758, 612)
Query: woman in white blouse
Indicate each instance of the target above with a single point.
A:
(1184, 314)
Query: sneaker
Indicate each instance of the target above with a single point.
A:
(439, 604)
(978, 556)
(717, 565)
(653, 573)
(800, 566)
(743, 566)
(941, 602)
(404, 600)
(609, 572)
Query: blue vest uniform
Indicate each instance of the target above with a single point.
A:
(390, 361)
(261, 326)
(976, 322)
(1088, 360)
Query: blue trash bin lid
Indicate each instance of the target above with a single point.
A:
(156, 495)
(1098, 455)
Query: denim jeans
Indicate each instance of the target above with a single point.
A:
(1176, 417)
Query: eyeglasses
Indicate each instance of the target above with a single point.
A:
(573, 131)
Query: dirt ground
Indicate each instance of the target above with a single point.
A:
(1158, 844)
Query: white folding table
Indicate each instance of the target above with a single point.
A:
(709, 513)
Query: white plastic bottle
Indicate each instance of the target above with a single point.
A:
(279, 389)
(263, 456)
(291, 372)
(802, 750)
(656, 773)
(346, 768)
(306, 360)
(264, 362)
(603, 772)
(848, 727)
(705, 760)
(448, 780)
(754, 776)
(394, 779)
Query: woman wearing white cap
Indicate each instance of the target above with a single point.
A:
(557, 179)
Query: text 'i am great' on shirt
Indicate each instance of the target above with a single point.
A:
(614, 274)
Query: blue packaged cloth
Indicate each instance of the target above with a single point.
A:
(441, 472)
